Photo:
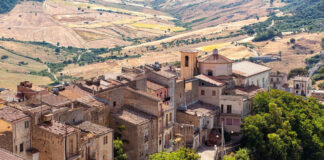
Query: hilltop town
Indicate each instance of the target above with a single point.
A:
(153, 107)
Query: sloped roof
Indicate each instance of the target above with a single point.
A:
(216, 59)
(57, 128)
(93, 128)
(6, 155)
(250, 91)
(53, 100)
(10, 114)
(133, 116)
(73, 92)
(210, 79)
(247, 69)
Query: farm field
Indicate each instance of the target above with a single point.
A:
(84, 24)
(291, 58)
(10, 80)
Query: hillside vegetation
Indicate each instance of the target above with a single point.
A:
(8, 5)
(301, 15)
(285, 126)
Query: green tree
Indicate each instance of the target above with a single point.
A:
(241, 154)
(284, 126)
(4, 57)
(119, 153)
(297, 72)
(180, 154)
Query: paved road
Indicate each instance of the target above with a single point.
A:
(206, 153)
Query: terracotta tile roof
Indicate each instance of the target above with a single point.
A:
(92, 101)
(216, 59)
(250, 91)
(73, 92)
(133, 116)
(247, 69)
(6, 155)
(53, 100)
(57, 128)
(39, 109)
(201, 109)
(87, 126)
(10, 114)
(154, 86)
(210, 79)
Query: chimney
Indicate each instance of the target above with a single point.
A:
(48, 117)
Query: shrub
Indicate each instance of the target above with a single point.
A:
(4, 57)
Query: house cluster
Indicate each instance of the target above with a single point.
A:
(300, 85)
(151, 108)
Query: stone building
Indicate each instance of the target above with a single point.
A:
(278, 80)
(318, 94)
(200, 115)
(302, 86)
(139, 131)
(251, 74)
(158, 90)
(96, 141)
(56, 141)
(15, 132)
(217, 82)
(26, 90)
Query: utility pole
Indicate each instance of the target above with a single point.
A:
(223, 151)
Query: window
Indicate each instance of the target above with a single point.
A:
(105, 141)
(271, 79)
(114, 103)
(202, 83)
(160, 141)
(277, 79)
(214, 93)
(229, 108)
(21, 148)
(161, 94)
(170, 117)
(222, 108)
(236, 122)
(228, 121)
(186, 61)
(15, 148)
(71, 147)
(202, 92)
(26, 124)
(258, 83)
(210, 73)
(146, 136)
(166, 120)
(297, 86)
